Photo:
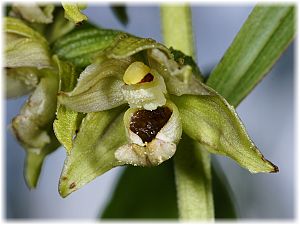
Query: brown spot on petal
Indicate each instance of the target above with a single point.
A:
(146, 123)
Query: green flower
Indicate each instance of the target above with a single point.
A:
(29, 69)
(165, 94)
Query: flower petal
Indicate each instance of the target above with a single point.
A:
(38, 113)
(17, 26)
(24, 47)
(33, 126)
(98, 88)
(153, 154)
(158, 150)
(67, 121)
(73, 12)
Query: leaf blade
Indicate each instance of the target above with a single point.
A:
(264, 36)
(193, 181)
(223, 197)
(137, 186)
(80, 46)
(158, 182)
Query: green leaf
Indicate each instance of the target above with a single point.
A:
(193, 181)
(120, 13)
(34, 13)
(211, 121)
(67, 121)
(20, 81)
(192, 168)
(24, 47)
(80, 46)
(24, 52)
(264, 36)
(177, 30)
(73, 12)
(100, 134)
(144, 193)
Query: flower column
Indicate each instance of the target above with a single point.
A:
(192, 165)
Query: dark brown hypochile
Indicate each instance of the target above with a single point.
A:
(146, 123)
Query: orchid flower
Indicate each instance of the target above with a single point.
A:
(138, 97)
(112, 99)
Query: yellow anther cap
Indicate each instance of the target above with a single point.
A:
(135, 73)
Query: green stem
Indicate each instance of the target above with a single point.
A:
(193, 181)
(192, 165)
(177, 28)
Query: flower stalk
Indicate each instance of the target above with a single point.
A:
(191, 164)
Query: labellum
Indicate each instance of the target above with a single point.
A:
(152, 135)
(146, 124)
